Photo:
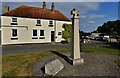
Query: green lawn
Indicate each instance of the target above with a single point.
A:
(100, 49)
(20, 64)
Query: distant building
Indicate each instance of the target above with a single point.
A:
(95, 34)
(26, 24)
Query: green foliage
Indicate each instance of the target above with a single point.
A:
(111, 28)
(67, 32)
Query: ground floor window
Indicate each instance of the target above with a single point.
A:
(14, 32)
(34, 32)
(41, 32)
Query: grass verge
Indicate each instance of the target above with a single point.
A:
(100, 49)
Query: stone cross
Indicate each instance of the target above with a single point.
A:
(75, 53)
(75, 13)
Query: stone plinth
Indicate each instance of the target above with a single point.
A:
(76, 61)
(53, 67)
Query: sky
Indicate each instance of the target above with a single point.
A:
(92, 14)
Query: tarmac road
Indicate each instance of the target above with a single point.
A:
(8, 49)
(31, 48)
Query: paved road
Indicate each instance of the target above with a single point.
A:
(38, 47)
(31, 48)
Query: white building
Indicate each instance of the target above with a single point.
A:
(26, 24)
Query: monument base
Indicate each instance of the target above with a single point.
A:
(76, 61)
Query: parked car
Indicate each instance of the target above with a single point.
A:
(91, 37)
(99, 38)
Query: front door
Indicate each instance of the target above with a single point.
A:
(52, 35)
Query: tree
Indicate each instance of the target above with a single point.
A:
(111, 28)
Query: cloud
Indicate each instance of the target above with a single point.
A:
(83, 17)
(91, 22)
(83, 7)
(94, 16)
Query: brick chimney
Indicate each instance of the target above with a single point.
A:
(44, 5)
(6, 9)
(52, 7)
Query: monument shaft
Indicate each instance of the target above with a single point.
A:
(75, 54)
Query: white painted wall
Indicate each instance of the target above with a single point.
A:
(25, 30)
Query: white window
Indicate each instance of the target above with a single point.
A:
(59, 33)
(38, 23)
(14, 32)
(14, 20)
(34, 32)
(51, 23)
(41, 32)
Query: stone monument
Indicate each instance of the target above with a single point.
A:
(53, 67)
(75, 53)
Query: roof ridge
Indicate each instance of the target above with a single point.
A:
(37, 7)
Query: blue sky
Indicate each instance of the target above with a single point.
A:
(92, 14)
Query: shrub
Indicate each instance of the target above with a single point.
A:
(67, 32)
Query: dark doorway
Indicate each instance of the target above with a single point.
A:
(52, 35)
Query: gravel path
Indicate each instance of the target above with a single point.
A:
(94, 65)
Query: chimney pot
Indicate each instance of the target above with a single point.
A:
(6, 9)
(53, 7)
(44, 5)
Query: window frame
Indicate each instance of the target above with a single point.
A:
(14, 21)
(14, 34)
(33, 33)
(38, 24)
(59, 33)
(43, 33)
(51, 23)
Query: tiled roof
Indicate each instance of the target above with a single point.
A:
(37, 13)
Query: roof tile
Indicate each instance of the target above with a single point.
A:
(37, 13)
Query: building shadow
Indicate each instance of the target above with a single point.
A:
(66, 58)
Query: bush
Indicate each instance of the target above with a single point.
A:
(67, 32)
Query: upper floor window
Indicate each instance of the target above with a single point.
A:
(51, 23)
(14, 21)
(38, 23)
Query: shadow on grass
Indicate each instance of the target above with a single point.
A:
(112, 45)
(66, 58)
